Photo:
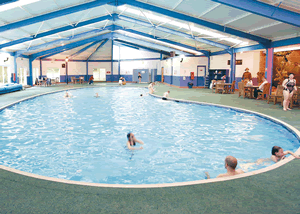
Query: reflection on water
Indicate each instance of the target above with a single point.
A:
(83, 138)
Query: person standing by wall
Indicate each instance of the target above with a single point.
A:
(289, 86)
(140, 77)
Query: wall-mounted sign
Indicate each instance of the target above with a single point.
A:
(142, 72)
(108, 72)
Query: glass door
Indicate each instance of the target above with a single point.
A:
(22, 76)
(99, 74)
(35, 74)
(53, 74)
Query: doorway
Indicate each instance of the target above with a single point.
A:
(53, 74)
(99, 74)
(201, 74)
(35, 74)
(4, 75)
(144, 73)
(22, 76)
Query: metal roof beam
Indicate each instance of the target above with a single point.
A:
(55, 42)
(53, 15)
(55, 31)
(98, 48)
(205, 23)
(142, 47)
(263, 9)
(171, 31)
(148, 44)
(84, 49)
(166, 40)
(71, 45)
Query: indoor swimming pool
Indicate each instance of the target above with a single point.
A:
(83, 138)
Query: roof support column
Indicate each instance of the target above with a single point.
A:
(87, 71)
(119, 65)
(30, 71)
(16, 69)
(232, 67)
(41, 72)
(112, 60)
(269, 65)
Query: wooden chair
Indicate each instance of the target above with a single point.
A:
(231, 90)
(73, 79)
(266, 92)
(295, 99)
(220, 88)
(242, 90)
(278, 95)
(214, 86)
(81, 80)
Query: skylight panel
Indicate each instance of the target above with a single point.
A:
(16, 4)
(182, 25)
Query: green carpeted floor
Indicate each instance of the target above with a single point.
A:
(275, 191)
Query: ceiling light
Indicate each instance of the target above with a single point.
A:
(16, 4)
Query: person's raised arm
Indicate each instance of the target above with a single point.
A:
(289, 152)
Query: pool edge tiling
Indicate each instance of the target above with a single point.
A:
(213, 180)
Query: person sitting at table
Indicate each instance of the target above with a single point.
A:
(91, 80)
(249, 83)
(260, 88)
(224, 78)
(247, 75)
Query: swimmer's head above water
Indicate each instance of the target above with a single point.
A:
(277, 151)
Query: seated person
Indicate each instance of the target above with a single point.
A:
(247, 75)
(91, 80)
(131, 142)
(120, 81)
(230, 165)
(150, 87)
(166, 95)
(278, 154)
(124, 81)
(249, 83)
(224, 78)
(260, 88)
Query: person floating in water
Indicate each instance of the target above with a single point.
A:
(230, 165)
(97, 95)
(132, 141)
(278, 154)
(67, 95)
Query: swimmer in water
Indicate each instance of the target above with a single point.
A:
(131, 142)
(141, 95)
(278, 154)
(97, 95)
(230, 165)
(67, 95)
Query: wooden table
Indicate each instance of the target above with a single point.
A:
(80, 80)
(225, 87)
(251, 89)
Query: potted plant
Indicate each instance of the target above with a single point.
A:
(190, 85)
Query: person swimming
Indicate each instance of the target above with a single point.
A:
(132, 142)
(97, 95)
(278, 154)
(67, 95)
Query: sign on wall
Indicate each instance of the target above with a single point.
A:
(108, 72)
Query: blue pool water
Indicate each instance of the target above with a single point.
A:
(83, 138)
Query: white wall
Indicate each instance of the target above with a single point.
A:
(250, 60)
(189, 64)
(76, 68)
(128, 66)
(92, 65)
(23, 63)
(131, 53)
(53, 64)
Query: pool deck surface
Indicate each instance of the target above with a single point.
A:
(276, 191)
